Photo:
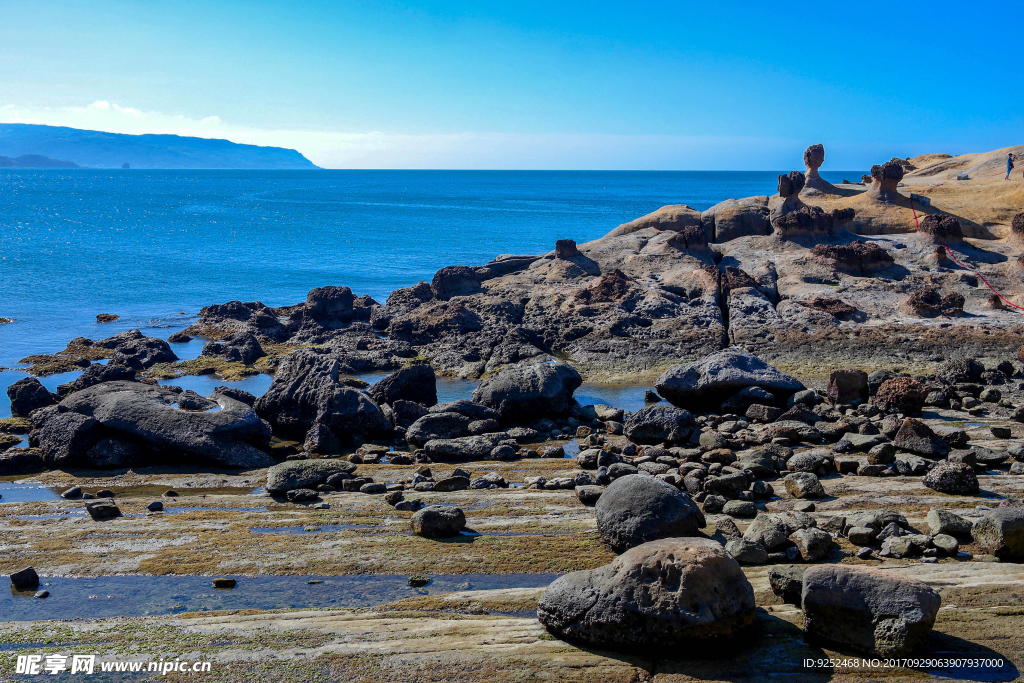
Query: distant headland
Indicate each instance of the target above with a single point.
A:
(36, 146)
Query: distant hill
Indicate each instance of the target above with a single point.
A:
(35, 161)
(95, 149)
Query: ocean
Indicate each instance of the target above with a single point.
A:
(156, 246)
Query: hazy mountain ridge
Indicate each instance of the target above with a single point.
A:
(35, 161)
(97, 149)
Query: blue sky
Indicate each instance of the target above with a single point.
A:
(528, 84)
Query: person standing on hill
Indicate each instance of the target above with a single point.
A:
(1009, 165)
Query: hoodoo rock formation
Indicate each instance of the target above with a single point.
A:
(941, 229)
(885, 179)
(814, 157)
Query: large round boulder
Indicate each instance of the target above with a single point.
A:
(637, 508)
(867, 610)
(659, 423)
(704, 384)
(664, 596)
(438, 521)
(526, 391)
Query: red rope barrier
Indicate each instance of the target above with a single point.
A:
(994, 290)
(957, 261)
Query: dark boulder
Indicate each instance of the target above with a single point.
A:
(636, 509)
(67, 437)
(867, 610)
(961, 370)
(711, 380)
(307, 391)
(20, 461)
(787, 582)
(416, 383)
(848, 386)
(478, 447)
(659, 423)
(917, 437)
(27, 395)
(234, 393)
(526, 391)
(329, 305)
(438, 521)
(405, 413)
(240, 347)
(102, 509)
(135, 350)
(232, 435)
(665, 596)
(474, 411)
(437, 426)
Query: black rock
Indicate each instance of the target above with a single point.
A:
(636, 509)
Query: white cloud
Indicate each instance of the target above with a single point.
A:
(469, 150)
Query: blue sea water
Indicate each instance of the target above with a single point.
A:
(156, 246)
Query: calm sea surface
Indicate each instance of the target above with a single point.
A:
(156, 246)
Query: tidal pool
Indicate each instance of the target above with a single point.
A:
(132, 596)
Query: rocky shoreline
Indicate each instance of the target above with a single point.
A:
(832, 432)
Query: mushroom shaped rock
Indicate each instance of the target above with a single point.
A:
(885, 179)
(941, 229)
(814, 157)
